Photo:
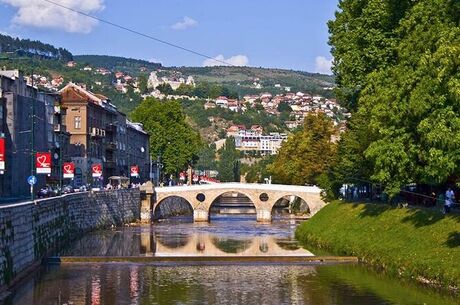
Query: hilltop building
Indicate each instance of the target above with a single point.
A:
(154, 81)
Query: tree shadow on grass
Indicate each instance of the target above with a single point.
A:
(421, 218)
(453, 240)
(373, 210)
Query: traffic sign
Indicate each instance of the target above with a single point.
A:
(32, 180)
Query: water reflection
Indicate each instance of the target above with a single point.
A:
(221, 238)
(143, 284)
(137, 284)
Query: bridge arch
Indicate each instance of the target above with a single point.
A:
(185, 207)
(279, 197)
(247, 201)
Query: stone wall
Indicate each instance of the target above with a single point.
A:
(28, 231)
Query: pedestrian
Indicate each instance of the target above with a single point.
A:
(449, 200)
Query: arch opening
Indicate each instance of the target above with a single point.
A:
(232, 205)
(174, 208)
(290, 205)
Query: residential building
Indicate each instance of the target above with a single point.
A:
(138, 152)
(100, 134)
(90, 120)
(28, 121)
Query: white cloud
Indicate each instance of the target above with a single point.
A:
(220, 60)
(323, 65)
(43, 14)
(184, 24)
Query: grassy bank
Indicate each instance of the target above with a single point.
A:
(411, 243)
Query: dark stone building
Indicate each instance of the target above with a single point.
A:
(28, 126)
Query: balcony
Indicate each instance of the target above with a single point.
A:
(59, 128)
(112, 128)
(110, 164)
(111, 146)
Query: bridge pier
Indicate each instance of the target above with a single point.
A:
(200, 216)
(264, 215)
(147, 200)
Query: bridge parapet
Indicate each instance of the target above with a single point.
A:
(263, 196)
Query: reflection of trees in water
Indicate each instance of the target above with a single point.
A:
(173, 206)
(229, 245)
(287, 244)
(173, 241)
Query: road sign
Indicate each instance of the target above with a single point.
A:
(32, 180)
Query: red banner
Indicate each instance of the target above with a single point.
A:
(2, 154)
(43, 162)
(68, 170)
(96, 169)
(134, 171)
(182, 176)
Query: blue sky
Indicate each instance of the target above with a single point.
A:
(288, 34)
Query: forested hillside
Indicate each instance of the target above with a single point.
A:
(32, 48)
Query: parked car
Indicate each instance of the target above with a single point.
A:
(44, 192)
(67, 189)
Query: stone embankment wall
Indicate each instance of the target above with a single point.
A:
(28, 231)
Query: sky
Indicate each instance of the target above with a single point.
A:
(288, 34)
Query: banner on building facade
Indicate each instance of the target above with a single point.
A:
(96, 170)
(68, 170)
(2, 154)
(134, 171)
(43, 163)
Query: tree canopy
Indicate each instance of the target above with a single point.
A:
(170, 136)
(402, 60)
(306, 154)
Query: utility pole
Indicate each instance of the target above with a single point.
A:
(32, 135)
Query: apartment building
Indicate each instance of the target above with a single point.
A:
(30, 122)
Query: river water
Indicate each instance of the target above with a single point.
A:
(176, 283)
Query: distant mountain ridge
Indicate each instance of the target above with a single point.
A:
(244, 80)
(115, 63)
(33, 48)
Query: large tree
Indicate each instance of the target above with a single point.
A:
(228, 165)
(307, 154)
(170, 136)
(406, 125)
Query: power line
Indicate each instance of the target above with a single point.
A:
(138, 33)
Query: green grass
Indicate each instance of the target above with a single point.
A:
(423, 245)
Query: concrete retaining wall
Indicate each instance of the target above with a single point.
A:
(29, 230)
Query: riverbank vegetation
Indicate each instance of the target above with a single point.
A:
(423, 245)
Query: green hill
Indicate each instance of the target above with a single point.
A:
(115, 63)
(241, 79)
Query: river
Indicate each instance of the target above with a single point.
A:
(175, 283)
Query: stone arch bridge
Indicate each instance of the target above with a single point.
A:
(263, 196)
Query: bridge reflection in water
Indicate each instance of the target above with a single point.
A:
(188, 239)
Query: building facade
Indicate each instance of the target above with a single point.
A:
(28, 125)
(99, 134)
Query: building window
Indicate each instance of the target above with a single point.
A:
(77, 122)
